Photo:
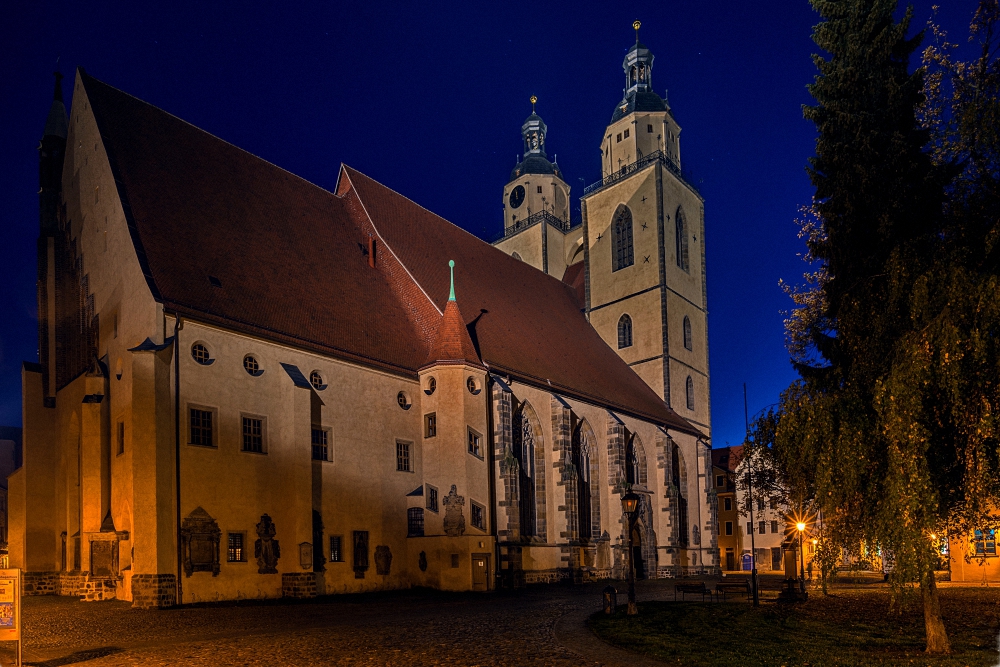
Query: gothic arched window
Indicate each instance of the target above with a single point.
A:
(689, 392)
(632, 475)
(687, 333)
(524, 451)
(624, 332)
(581, 459)
(681, 240)
(622, 239)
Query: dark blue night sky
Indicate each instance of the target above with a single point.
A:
(429, 100)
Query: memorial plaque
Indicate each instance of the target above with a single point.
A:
(101, 558)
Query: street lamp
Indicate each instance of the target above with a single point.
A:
(801, 527)
(630, 507)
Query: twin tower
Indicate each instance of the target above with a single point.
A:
(637, 258)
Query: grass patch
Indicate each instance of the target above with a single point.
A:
(855, 628)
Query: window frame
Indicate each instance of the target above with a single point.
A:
(340, 549)
(729, 528)
(208, 360)
(242, 548)
(263, 433)
(689, 393)
(473, 507)
(214, 412)
(430, 425)
(626, 338)
(688, 339)
(328, 445)
(404, 456)
(478, 439)
(727, 504)
(414, 521)
(622, 238)
(432, 501)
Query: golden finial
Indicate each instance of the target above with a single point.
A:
(533, 100)
(636, 24)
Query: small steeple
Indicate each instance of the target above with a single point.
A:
(57, 123)
(638, 65)
(453, 345)
(533, 131)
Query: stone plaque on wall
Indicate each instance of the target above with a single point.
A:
(102, 558)
(266, 549)
(200, 536)
(383, 559)
(454, 519)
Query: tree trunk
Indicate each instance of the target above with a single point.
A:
(937, 638)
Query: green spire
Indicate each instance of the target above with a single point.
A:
(451, 266)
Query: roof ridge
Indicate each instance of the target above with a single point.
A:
(206, 132)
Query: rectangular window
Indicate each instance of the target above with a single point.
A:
(749, 527)
(985, 542)
(728, 504)
(201, 428)
(539, 189)
(403, 457)
(719, 480)
(478, 516)
(120, 437)
(320, 444)
(430, 425)
(415, 522)
(454, 560)
(760, 504)
(729, 528)
(432, 498)
(626, 134)
(475, 444)
(618, 138)
(774, 526)
(761, 527)
(649, 128)
(234, 552)
(336, 553)
(253, 434)
(774, 503)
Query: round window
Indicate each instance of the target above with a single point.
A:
(472, 385)
(432, 384)
(250, 364)
(403, 400)
(316, 380)
(200, 354)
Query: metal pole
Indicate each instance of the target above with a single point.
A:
(753, 543)
(802, 565)
(632, 609)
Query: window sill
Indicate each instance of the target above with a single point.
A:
(195, 444)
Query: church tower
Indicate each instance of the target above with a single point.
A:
(643, 225)
(536, 206)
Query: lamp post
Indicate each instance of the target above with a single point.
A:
(630, 506)
(801, 527)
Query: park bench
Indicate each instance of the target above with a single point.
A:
(741, 587)
(695, 588)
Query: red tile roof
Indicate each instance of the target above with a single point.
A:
(293, 264)
(727, 458)
(453, 344)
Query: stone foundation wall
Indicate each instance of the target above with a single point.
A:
(547, 576)
(40, 583)
(298, 585)
(154, 591)
(71, 584)
(95, 590)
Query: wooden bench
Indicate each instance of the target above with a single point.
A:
(695, 588)
(742, 587)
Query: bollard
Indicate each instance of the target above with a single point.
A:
(610, 600)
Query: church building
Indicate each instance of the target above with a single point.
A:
(249, 386)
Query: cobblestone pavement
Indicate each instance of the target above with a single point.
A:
(397, 628)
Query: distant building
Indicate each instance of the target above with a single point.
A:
(973, 557)
(724, 462)
(249, 386)
(10, 456)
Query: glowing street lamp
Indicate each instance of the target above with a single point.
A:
(801, 527)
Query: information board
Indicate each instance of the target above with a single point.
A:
(10, 605)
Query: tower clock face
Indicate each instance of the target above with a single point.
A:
(517, 196)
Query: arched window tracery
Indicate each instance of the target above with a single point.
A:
(688, 343)
(622, 239)
(581, 459)
(624, 331)
(689, 392)
(680, 224)
(524, 451)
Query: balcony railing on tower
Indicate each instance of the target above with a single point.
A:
(533, 219)
(638, 165)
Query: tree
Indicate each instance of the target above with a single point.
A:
(892, 428)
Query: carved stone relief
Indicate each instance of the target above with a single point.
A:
(266, 549)
(200, 537)
(454, 519)
(383, 559)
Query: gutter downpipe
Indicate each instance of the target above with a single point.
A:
(492, 479)
(177, 451)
